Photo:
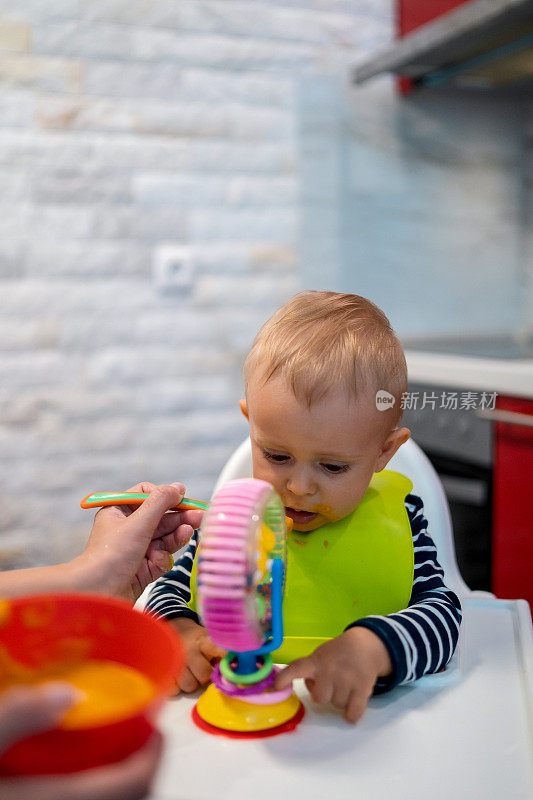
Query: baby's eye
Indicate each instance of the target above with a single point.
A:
(335, 469)
(277, 458)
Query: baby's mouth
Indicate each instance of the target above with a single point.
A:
(300, 517)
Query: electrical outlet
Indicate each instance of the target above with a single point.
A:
(173, 267)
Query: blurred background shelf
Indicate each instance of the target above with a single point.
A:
(476, 44)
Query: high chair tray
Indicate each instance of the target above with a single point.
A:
(464, 733)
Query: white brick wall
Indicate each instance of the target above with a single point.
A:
(127, 126)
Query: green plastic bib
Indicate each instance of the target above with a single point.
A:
(362, 564)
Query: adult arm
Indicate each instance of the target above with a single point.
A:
(128, 548)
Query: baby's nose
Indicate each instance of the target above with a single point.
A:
(299, 483)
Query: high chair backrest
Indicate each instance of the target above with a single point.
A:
(412, 462)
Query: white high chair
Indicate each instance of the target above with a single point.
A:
(465, 733)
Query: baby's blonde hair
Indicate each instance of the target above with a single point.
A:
(321, 340)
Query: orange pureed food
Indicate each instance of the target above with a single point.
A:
(108, 691)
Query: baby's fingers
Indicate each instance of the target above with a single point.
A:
(340, 697)
(301, 668)
(211, 650)
(356, 706)
(187, 682)
(200, 667)
(322, 690)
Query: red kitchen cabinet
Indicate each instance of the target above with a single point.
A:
(411, 14)
(512, 542)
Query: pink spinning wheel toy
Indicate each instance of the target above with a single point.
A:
(240, 574)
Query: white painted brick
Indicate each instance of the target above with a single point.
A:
(59, 148)
(26, 219)
(37, 11)
(125, 151)
(202, 463)
(64, 297)
(92, 328)
(123, 366)
(18, 547)
(278, 24)
(231, 156)
(73, 113)
(253, 89)
(16, 110)
(190, 119)
(144, 225)
(23, 370)
(76, 405)
(11, 258)
(45, 74)
(167, 397)
(273, 258)
(203, 190)
(231, 18)
(230, 120)
(133, 79)
(269, 224)
(14, 36)
(119, 470)
(105, 434)
(85, 258)
(175, 326)
(245, 320)
(15, 186)
(51, 438)
(204, 427)
(32, 149)
(227, 257)
(35, 334)
(171, 82)
(256, 292)
(78, 184)
(128, 43)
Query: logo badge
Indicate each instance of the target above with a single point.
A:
(384, 400)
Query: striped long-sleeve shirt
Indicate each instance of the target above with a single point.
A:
(420, 639)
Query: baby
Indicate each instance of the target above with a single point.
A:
(365, 606)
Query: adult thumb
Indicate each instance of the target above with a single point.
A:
(26, 710)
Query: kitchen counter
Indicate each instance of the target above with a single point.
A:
(512, 377)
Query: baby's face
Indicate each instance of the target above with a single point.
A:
(319, 460)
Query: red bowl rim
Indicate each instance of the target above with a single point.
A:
(176, 646)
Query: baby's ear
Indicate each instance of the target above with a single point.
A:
(394, 440)
(244, 408)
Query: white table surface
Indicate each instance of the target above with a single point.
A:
(464, 733)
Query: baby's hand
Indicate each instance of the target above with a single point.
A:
(201, 654)
(342, 671)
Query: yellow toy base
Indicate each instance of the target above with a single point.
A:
(233, 715)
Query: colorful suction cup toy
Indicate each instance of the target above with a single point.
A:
(240, 576)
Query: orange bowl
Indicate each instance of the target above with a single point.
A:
(34, 631)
